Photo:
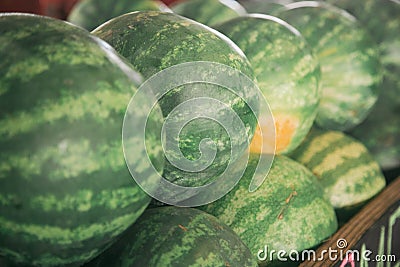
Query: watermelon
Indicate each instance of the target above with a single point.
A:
(65, 190)
(208, 12)
(288, 212)
(351, 70)
(177, 237)
(287, 74)
(158, 42)
(91, 13)
(268, 7)
(380, 132)
(346, 170)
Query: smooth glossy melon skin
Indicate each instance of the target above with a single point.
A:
(349, 59)
(65, 190)
(289, 210)
(209, 12)
(177, 237)
(380, 132)
(346, 170)
(155, 41)
(90, 14)
(287, 74)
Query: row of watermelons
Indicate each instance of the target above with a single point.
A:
(66, 195)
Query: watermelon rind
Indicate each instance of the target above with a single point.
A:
(65, 190)
(287, 212)
(345, 168)
(351, 70)
(154, 42)
(287, 74)
(208, 12)
(89, 14)
(177, 237)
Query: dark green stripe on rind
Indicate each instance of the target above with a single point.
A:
(154, 41)
(345, 168)
(286, 70)
(90, 14)
(175, 237)
(351, 70)
(65, 190)
(287, 212)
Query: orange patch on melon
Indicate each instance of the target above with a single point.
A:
(285, 128)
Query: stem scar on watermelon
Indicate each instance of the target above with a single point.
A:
(208, 95)
(65, 190)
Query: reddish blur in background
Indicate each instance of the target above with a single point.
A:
(52, 8)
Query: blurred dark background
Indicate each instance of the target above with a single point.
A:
(52, 8)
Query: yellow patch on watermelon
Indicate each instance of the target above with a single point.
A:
(285, 129)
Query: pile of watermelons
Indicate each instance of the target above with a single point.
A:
(73, 136)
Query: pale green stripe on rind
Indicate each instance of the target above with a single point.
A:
(64, 236)
(27, 68)
(73, 157)
(207, 261)
(84, 200)
(50, 259)
(187, 242)
(97, 104)
(343, 165)
(74, 52)
(317, 145)
(8, 199)
(338, 156)
(359, 177)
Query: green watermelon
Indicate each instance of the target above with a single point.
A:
(350, 66)
(380, 132)
(155, 41)
(288, 212)
(344, 167)
(65, 190)
(287, 74)
(268, 7)
(208, 12)
(91, 13)
(177, 237)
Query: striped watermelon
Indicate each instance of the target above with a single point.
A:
(154, 41)
(177, 237)
(65, 190)
(209, 12)
(351, 71)
(268, 7)
(287, 74)
(91, 13)
(343, 165)
(380, 132)
(288, 212)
